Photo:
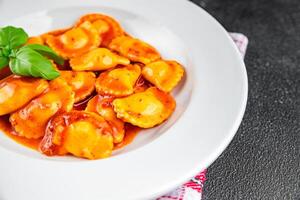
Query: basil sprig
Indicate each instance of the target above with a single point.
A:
(26, 60)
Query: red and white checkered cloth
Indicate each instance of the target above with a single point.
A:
(192, 190)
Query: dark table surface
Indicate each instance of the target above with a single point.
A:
(263, 160)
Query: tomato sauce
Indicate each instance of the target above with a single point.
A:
(82, 104)
(6, 128)
(130, 134)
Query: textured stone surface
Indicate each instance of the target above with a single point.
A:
(263, 160)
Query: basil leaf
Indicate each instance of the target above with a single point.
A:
(3, 61)
(28, 62)
(12, 37)
(46, 51)
(5, 51)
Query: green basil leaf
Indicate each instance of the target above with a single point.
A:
(28, 62)
(5, 51)
(46, 51)
(12, 37)
(3, 61)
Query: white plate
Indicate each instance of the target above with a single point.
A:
(211, 102)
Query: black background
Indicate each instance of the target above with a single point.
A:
(263, 160)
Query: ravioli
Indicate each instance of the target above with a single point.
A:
(35, 40)
(30, 121)
(107, 27)
(66, 116)
(75, 41)
(54, 33)
(119, 81)
(134, 49)
(97, 59)
(83, 134)
(17, 91)
(82, 83)
(145, 109)
(163, 74)
(102, 106)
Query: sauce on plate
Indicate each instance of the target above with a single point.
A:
(130, 133)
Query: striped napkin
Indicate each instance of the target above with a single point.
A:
(192, 190)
